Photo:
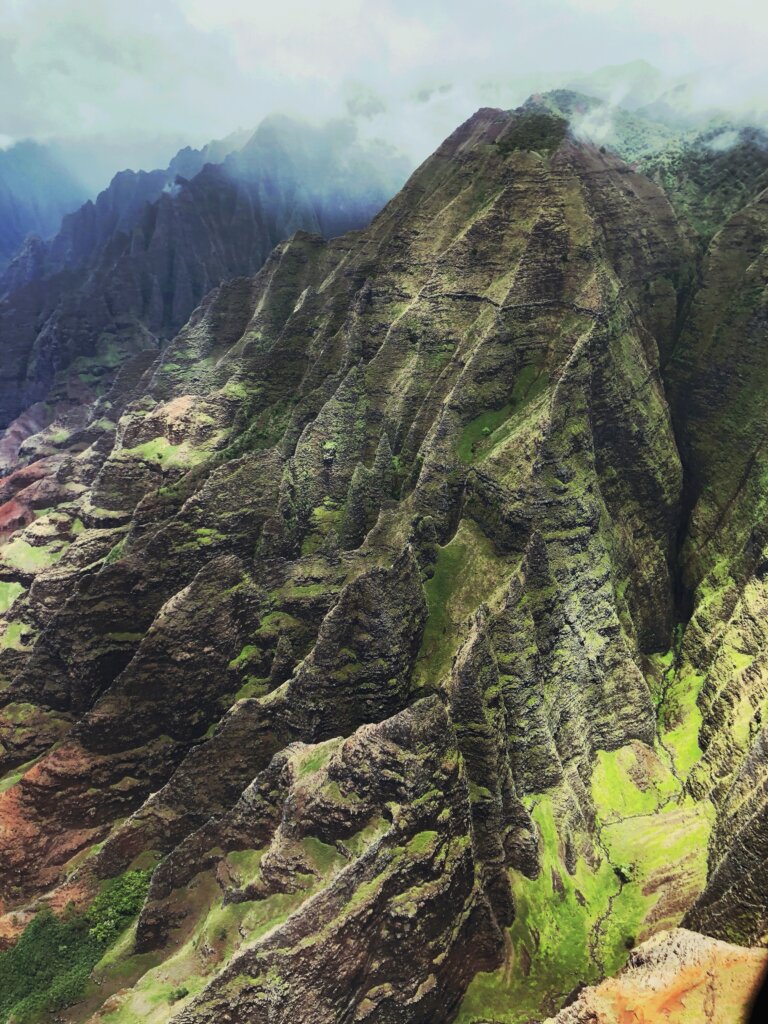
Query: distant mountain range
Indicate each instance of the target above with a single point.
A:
(36, 190)
(125, 271)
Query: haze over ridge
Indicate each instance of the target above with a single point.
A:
(144, 79)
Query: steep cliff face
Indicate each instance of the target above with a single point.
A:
(124, 273)
(717, 381)
(354, 616)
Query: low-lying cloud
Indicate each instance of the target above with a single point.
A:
(405, 70)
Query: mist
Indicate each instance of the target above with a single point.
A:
(126, 85)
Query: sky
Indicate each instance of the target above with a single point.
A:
(154, 74)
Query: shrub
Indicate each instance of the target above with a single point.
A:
(625, 872)
(49, 966)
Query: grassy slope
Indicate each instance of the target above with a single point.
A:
(576, 928)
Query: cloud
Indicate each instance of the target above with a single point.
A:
(362, 101)
(407, 70)
(424, 95)
(724, 141)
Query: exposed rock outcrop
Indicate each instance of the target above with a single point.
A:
(677, 976)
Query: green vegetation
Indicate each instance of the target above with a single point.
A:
(675, 688)
(245, 864)
(317, 757)
(324, 519)
(257, 428)
(245, 656)
(292, 589)
(16, 774)
(373, 831)
(422, 842)
(17, 713)
(479, 429)
(534, 131)
(626, 132)
(108, 426)
(323, 857)
(552, 941)
(681, 720)
(631, 781)
(8, 594)
(26, 557)
(169, 455)
(115, 553)
(216, 936)
(659, 853)
(576, 927)
(190, 539)
(206, 535)
(490, 428)
(49, 966)
(17, 636)
(254, 686)
(706, 184)
(94, 371)
(467, 572)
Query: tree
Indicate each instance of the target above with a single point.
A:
(382, 472)
(356, 515)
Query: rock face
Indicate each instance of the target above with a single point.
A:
(716, 380)
(372, 614)
(677, 976)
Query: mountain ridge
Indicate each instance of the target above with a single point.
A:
(423, 485)
(124, 273)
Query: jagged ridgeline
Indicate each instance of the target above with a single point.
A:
(400, 630)
(124, 272)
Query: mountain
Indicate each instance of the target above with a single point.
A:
(707, 173)
(631, 134)
(634, 85)
(124, 272)
(94, 159)
(683, 102)
(36, 190)
(390, 646)
(712, 174)
(116, 210)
